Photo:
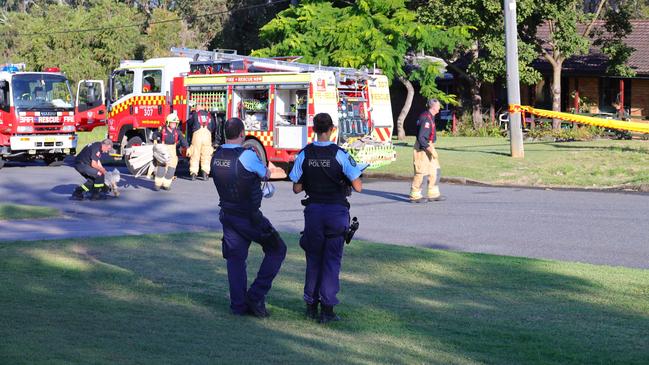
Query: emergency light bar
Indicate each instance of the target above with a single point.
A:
(13, 67)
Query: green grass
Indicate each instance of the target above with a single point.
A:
(598, 163)
(163, 299)
(17, 211)
(96, 135)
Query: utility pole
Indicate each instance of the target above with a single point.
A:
(513, 80)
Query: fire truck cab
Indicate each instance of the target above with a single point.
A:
(37, 114)
(140, 98)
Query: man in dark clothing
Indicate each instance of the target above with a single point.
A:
(327, 174)
(201, 128)
(169, 137)
(425, 156)
(237, 174)
(88, 164)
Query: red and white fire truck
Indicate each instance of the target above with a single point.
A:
(39, 118)
(276, 99)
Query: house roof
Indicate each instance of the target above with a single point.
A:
(596, 62)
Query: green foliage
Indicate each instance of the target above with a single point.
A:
(78, 54)
(366, 33)
(486, 30)
(466, 128)
(587, 133)
(610, 39)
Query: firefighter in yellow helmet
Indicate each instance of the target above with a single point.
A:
(201, 126)
(169, 137)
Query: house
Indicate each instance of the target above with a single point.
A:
(587, 88)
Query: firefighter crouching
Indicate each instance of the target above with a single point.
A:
(88, 164)
(201, 126)
(326, 173)
(170, 136)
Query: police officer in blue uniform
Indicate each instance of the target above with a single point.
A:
(327, 174)
(88, 164)
(237, 175)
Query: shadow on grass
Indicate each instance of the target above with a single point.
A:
(163, 299)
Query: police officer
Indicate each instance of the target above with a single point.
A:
(326, 173)
(88, 164)
(170, 137)
(237, 174)
(425, 157)
(201, 126)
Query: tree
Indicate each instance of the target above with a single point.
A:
(571, 31)
(366, 33)
(485, 54)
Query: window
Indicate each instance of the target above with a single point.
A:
(121, 84)
(4, 95)
(41, 91)
(251, 102)
(151, 81)
(609, 94)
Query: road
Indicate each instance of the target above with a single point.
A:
(594, 227)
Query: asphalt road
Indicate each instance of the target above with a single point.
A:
(595, 227)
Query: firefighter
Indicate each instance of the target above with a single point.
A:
(148, 85)
(201, 126)
(327, 174)
(237, 175)
(425, 157)
(88, 164)
(170, 136)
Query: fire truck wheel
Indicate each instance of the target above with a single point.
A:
(2, 162)
(258, 148)
(53, 160)
(134, 141)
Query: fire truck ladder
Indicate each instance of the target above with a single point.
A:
(201, 55)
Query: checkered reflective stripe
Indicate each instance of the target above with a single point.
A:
(311, 137)
(137, 100)
(266, 138)
(179, 100)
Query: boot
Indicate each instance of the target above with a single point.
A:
(327, 314)
(77, 194)
(204, 176)
(258, 308)
(97, 195)
(192, 177)
(440, 198)
(312, 311)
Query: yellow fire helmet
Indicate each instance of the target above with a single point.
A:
(172, 118)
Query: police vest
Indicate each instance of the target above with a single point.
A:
(322, 175)
(239, 189)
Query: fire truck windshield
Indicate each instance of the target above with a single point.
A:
(41, 91)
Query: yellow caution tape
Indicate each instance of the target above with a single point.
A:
(582, 119)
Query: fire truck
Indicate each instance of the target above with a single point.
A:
(39, 118)
(276, 99)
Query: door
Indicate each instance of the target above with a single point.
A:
(90, 108)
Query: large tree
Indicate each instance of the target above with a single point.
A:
(572, 28)
(365, 33)
(483, 60)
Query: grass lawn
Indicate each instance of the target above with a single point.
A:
(163, 299)
(96, 135)
(16, 211)
(598, 163)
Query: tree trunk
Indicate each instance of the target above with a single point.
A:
(556, 92)
(401, 132)
(476, 101)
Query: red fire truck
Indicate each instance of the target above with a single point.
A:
(276, 99)
(37, 113)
